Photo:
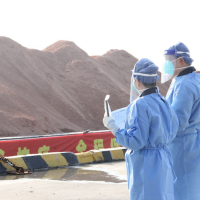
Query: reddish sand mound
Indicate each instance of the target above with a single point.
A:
(59, 89)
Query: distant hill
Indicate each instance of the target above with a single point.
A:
(60, 89)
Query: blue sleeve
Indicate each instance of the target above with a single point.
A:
(182, 103)
(174, 123)
(136, 136)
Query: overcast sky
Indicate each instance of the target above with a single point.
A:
(144, 28)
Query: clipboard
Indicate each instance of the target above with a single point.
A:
(107, 106)
(119, 115)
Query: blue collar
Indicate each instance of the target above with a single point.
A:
(149, 91)
(186, 71)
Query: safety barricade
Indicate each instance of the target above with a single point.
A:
(64, 159)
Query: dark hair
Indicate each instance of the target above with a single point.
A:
(149, 85)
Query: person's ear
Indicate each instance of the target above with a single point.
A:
(137, 82)
(181, 61)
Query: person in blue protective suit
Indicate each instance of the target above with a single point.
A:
(150, 126)
(184, 97)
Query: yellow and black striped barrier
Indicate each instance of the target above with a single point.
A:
(54, 160)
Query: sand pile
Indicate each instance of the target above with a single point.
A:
(59, 89)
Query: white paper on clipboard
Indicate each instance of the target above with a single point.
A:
(120, 117)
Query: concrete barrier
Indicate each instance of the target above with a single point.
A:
(54, 160)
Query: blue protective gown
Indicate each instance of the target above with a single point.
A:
(184, 98)
(150, 125)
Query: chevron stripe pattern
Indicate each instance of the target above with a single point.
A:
(36, 162)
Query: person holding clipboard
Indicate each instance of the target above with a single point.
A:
(150, 126)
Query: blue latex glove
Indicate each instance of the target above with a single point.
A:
(109, 123)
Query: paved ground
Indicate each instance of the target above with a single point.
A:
(105, 181)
